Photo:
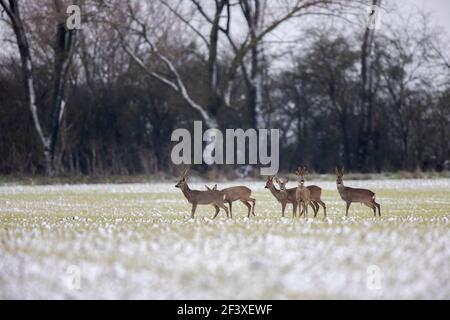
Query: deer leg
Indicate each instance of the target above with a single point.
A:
(224, 207)
(346, 210)
(248, 205)
(283, 206)
(294, 209)
(254, 203)
(301, 208)
(217, 211)
(194, 206)
(315, 207)
(231, 208)
(374, 205)
(371, 206)
(306, 208)
(324, 208)
(379, 208)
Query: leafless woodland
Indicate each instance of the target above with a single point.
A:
(105, 98)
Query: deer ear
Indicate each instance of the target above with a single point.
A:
(286, 180)
(207, 188)
(215, 187)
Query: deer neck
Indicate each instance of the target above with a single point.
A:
(341, 188)
(186, 191)
(276, 193)
(283, 194)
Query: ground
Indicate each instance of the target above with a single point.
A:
(137, 241)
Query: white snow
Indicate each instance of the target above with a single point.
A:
(136, 241)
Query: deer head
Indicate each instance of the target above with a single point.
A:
(183, 180)
(301, 174)
(269, 182)
(339, 175)
(282, 183)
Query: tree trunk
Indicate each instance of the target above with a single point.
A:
(63, 50)
(365, 129)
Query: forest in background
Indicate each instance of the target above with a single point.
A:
(104, 100)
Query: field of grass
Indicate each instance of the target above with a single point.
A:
(137, 241)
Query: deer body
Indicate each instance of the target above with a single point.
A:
(240, 193)
(350, 195)
(195, 197)
(303, 197)
(302, 194)
(315, 195)
(283, 196)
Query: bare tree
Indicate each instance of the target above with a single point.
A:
(218, 18)
(63, 48)
(367, 91)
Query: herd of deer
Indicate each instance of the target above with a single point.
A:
(300, 197)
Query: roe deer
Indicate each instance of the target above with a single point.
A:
(195, 197)
(302, 194)
(315, 191)
(350, 195)
(240, 193)
(283, 195)
(288, 196)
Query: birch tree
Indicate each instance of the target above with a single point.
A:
(64, 40)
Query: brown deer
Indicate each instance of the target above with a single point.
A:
(316, 193)
(283, 195)
(240, 193)
(350, 195)
(288, 196)
(195, 197)
(302, 194)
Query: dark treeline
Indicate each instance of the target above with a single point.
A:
(111, 93)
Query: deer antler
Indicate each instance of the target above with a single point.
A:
(185, 172)
(300, 171)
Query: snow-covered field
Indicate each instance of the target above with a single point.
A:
(136, 241)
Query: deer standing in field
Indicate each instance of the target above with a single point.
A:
(195, 197)
(288, 196)
(240, 193)
(302, 194)
(315, 191)
(350, 195)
